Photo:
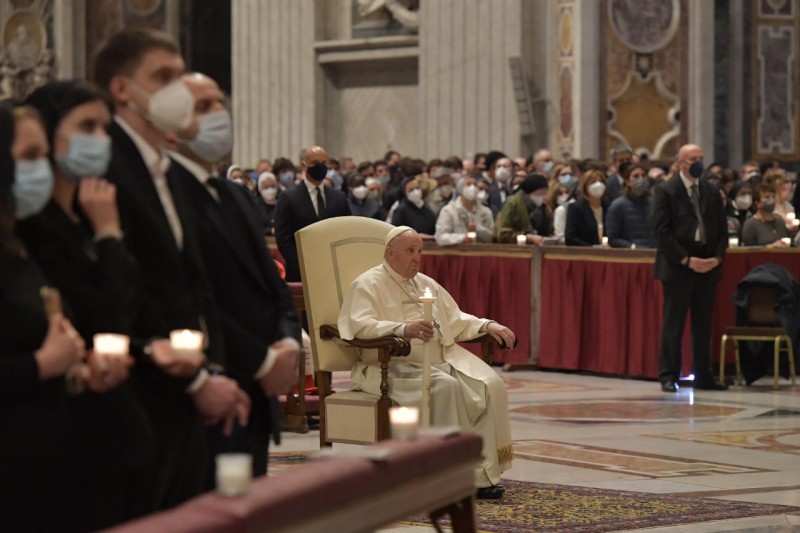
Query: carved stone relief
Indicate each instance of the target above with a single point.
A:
(644, 25)
(377, 18)
(26, 54)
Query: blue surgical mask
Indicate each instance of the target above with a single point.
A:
(87, 156)
(384, 181)
(287, 178)
(214, 136)
(33, 186)
(565, 179)
(547, 167)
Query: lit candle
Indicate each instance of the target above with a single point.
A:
(733, 242)
(605, 241)
(111, 344)
(522, 240)
(404, 422)
(787, 241)
(472, 235)
(187, 344)
(428, 298)
(234, 472)
(792, 220)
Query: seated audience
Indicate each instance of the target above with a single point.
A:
(586, 217)
(740, 207)
(361, 205)
(268, 192)
(411, 210)
(765, 228)
(561, 196)
(443, 193)
(463, 215)
(784, 190)
(629, 221)
(523, 213)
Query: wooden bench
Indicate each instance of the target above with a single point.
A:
(342, 494)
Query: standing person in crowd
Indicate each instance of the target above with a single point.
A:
(309, 202)
(586, 217)
(36, 350)
(740, 207)
(77, 241)
(463, 215)
(361, 204)
(413, 212)
(141, 70)
(498, 173)
(523, 213)
(691, 230)
(560, 196)
(620, 154)
(765, 227)
(258, 319)
(542, 161)
(443, 193)
(784, 190)
(268, 193)
(629, 222)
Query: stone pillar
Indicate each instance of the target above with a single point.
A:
(274, 78)
(700, 110)
(586, 96)
(467, 101)
(69, 36)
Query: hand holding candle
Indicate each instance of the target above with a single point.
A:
(187, 344)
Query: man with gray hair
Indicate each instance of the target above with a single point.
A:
(465, 391)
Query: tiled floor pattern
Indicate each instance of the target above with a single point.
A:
(742, 444)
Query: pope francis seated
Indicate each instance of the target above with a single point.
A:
(465, 391)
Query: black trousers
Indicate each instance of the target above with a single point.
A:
(697, 294)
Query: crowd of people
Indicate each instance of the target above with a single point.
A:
(116, 217)
(494, 198)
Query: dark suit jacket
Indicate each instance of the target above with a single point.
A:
(255, 305)
(675, 225)
(294, 212)
(581, 229)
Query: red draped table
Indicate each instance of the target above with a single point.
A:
(601, 308)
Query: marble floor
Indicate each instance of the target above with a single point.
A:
(569, 429)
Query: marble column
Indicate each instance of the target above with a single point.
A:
(700, 99)
(586, 97)
(69, 36)
(275, 79)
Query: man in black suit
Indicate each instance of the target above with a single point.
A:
(259, 321)
(141, 70)
(691, 228)
(308, 202)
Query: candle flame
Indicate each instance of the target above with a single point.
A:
(427, 293)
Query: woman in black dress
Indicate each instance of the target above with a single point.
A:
(35, 350)
(77, 241)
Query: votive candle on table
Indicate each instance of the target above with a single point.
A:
(404, 422)
(733, 242)
(234, 473)
(187, 343)
(522, 240)
(787, 241)
(472, 235)
(605, 241)
(111, 344)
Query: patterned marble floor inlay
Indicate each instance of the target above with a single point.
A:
(514, 385)
(771, 440)
(626, 411)
(621, 461)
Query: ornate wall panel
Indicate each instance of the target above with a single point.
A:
(643, 75)
(565, 63)
(26, 46)
(775, 113)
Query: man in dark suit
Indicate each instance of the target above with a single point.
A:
(259, 321)
(308, 202)
(141, 70)
(691, 229)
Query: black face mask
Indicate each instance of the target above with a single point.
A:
(317, 172)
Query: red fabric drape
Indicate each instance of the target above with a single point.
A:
(489, 287)
(605, 316)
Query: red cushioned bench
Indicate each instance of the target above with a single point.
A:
(341, 494)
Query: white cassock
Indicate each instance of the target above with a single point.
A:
(465, 391)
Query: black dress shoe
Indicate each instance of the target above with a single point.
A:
(495, 492)
(669, 386)
(710, 385)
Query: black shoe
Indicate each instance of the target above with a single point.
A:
(711, 384)
(669, 386)
(495, 492)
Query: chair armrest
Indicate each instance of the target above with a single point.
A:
(394, 346)
(488, 339)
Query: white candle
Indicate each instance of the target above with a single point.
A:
(791, 217)
(428, 298)
(605, 241)
(733, 242)
(472, 235)
(404, 422)
(522, 240)
(187, 343)
(111, 344)
(787, 241)
(234, 472)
